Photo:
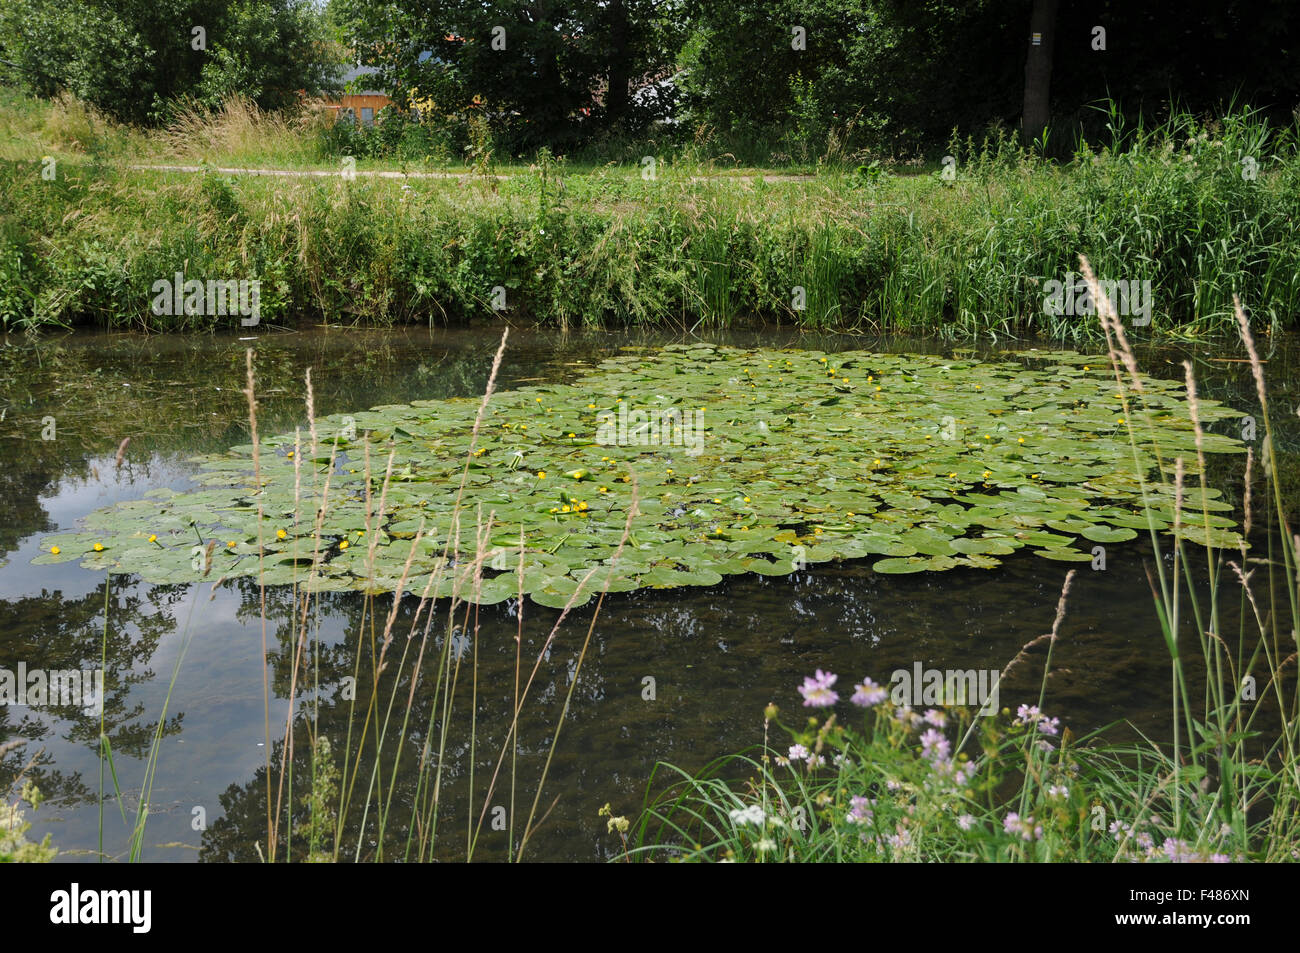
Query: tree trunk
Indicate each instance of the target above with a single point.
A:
(616, 97)
(1038, 70)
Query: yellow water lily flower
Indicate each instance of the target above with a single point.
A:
(343, 545)
(98, 547)
(54, 550)
(280, 534)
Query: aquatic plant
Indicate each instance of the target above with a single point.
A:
(746, 461)
(950, 785)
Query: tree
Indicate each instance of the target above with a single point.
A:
(547, 73)
(1038, 70)
(131, 58)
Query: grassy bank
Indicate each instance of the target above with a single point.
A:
(1200, 212)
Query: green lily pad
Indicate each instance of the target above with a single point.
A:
(739, 461)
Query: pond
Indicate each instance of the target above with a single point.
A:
(678, 675)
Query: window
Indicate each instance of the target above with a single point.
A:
(367, 115)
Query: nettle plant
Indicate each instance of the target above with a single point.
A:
(794, 458)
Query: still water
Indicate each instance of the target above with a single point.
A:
(716, 655)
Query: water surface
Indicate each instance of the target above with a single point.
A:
(716, 655)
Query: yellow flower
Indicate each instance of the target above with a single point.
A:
(98, 547)
(539, 400)
(291, 454)
(746, 499)
(717, 501)
(582, 505)
(343, 545)
(54, 550)
(1121, 420)
(670, 469)
(952, 476)
(1021, 440)
(591, 406)
(564, 508)
(817, 530)
(603, 489)
(231, 544)
(280, 534)
(153, 537)
(1033, 476)
(876, 464)
(987, 474)
(541, 474)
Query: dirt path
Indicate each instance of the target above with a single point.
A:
(464, 176)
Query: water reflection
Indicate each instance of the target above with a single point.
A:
(716, 656)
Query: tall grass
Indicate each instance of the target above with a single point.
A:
(347, 807)
(242, 135)
(1200, 209)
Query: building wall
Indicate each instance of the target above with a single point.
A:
(374, 101)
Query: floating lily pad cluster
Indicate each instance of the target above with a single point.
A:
(754, 461)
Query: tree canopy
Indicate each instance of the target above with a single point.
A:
(131, 58)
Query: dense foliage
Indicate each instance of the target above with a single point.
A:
(133, 58)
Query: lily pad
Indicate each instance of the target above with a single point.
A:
(738, 461)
